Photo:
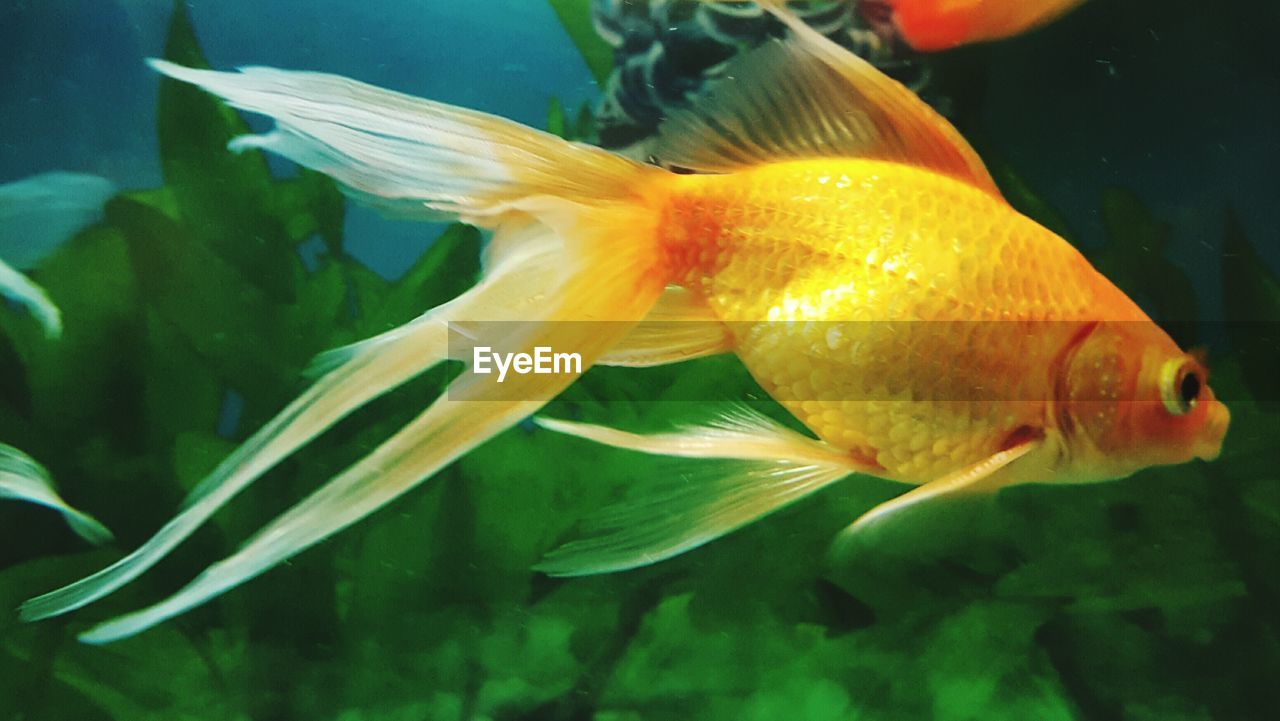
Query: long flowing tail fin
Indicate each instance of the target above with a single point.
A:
(575, 242)
(412, 155)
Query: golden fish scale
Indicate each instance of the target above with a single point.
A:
(897, 312)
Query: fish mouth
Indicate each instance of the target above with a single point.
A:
(1210, 445)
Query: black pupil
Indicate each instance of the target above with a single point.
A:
(1190, 388)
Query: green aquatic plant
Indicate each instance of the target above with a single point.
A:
(1252, 302)
(183, 299)
(1134, 258)
(37, 214)
(580, 127)
(575, 17)
(18, 289)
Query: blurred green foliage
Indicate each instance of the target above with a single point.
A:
(1153, 598)
(575, 16)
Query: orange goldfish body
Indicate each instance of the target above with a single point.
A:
(839, 236)
(932, 25)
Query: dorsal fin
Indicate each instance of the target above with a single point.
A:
(807, 97)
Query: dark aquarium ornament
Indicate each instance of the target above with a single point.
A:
(666, 51)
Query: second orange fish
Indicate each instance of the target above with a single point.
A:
(933, 25)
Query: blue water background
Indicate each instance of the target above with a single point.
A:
(75, 95)
(1183, 115)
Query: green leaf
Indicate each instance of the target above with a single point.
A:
(1022, 197)
(76, 383)
(54, 677)
(514, 520)
(585, 129)
(555, 118)
(448, 268)
(246, 339)
(581, 127)
(20, 582)
(221, 196)
(1252, 298)
(1134, 260)
(322, 305)
(181, 393)
(195, 455)
(159, 198)
(1014, 680)
(308, 205)
(575, 16)
(369, 292)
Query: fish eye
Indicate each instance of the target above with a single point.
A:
(1180, 386)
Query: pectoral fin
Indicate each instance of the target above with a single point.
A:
(983, 475)
(749, 467)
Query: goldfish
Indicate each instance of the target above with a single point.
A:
(837, 235)
(932, 25)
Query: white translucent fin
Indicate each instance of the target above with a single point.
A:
(474, 409)
(445, 432)
(762, 466)
(533, 259)
(983, 475)
(40, 213)
(807, 97)
(595, 207)
(365, 371)
(400, 152)
(679, 328)
(22, 479)
(19, 289)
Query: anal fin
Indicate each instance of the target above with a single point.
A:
(987, 474)
(748, 467)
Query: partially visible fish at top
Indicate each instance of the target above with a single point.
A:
(934, 25)
(838, 235)
(37, 215)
